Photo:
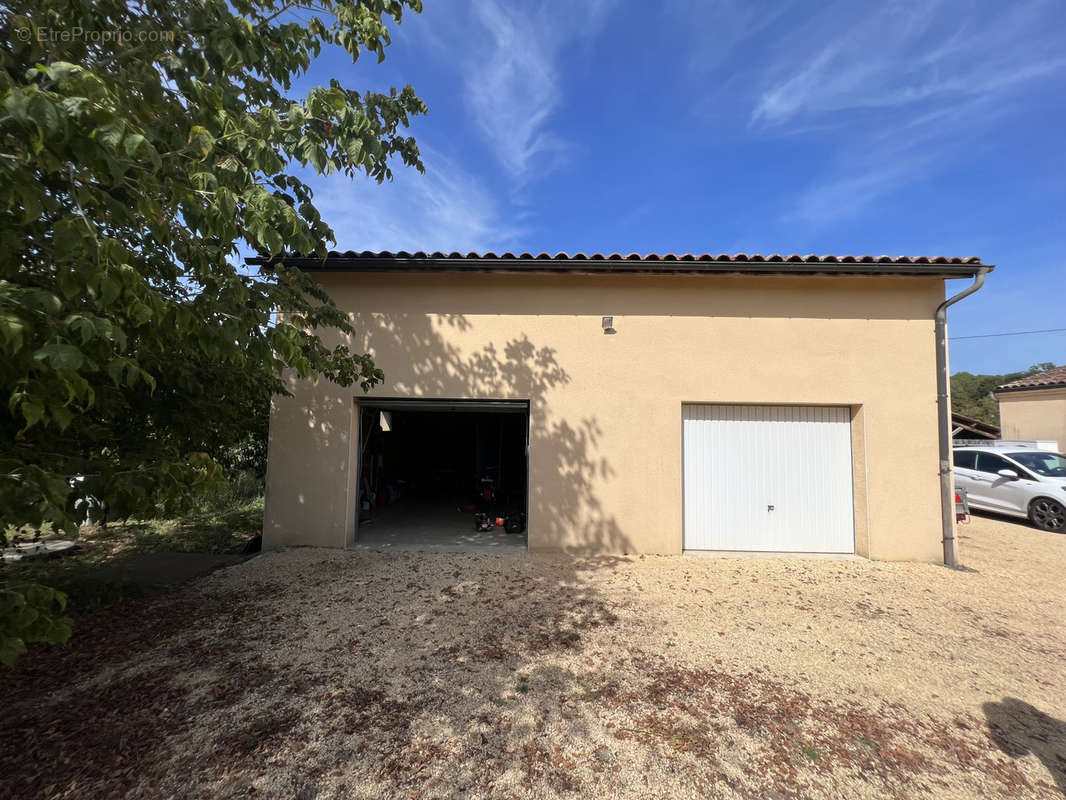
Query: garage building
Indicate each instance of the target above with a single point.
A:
(622, 404)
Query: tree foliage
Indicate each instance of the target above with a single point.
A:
(133, 170)
(142, 145)
(972, 394)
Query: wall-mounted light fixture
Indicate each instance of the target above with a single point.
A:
(608, 325)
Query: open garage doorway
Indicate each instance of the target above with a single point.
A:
(443, 475)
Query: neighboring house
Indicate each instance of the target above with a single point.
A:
(628, 404)
(1034, 407)
(969, 428)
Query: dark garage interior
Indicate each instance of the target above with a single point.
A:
(442, 475)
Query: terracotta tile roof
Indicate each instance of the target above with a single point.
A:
(737, 257)
(1049, 379)
(634, 262)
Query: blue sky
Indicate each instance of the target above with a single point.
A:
(737, 126)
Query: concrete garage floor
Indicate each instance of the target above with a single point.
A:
(433, 528)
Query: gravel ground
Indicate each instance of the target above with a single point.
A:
(316, 674)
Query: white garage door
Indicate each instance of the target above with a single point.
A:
(771, 478)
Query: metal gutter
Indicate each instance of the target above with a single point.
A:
(943, 407)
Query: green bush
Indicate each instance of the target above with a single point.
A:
(244, 487)
(31, 613)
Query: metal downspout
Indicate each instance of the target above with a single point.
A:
(943, 407)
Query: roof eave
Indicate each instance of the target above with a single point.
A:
(1038, 388)
(337, 263)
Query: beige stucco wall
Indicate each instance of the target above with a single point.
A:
(1036, 414)
(605, 453)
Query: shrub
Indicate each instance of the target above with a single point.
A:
(30, 613)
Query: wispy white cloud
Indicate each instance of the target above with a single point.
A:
(897, 88)
(847, 193)
(506, 60)
(906, 54)
(445, 209)
(716, 30)
(511, 76)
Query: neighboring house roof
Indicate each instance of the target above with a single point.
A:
(651, 263)
(960, 423)
(1049, 379)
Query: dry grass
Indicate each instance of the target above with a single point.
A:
(315, 674)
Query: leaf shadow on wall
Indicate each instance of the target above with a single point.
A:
(566, 467)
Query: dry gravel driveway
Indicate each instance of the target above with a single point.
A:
(316, 674)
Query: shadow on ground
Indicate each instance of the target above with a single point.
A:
(1019, 729)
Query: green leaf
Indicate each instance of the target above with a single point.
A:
(140, 313)
(59, 71)
(316, 155)
(133, 143)
(32, 411)
(68, 239)
(26, 616)
(81, 326)
(61, 356)
(110, 135)
(271, 239)
(227, 201)
(201, 140)
(17, 104)
(31, 206)
(70, 283)
(354, 149)
(62, 416)
(11, 647)
(38, 595)
(109, 291)
(43, 112)
(11, 329)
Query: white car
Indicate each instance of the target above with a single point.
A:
(1014, 481)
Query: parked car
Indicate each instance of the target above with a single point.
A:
(1020, 483)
